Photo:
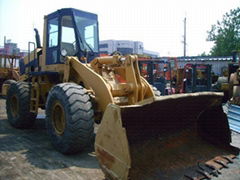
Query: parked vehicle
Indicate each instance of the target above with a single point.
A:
(140, 136)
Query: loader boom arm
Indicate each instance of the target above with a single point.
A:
(91, 80)
(112, 80)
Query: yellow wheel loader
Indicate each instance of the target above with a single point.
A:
(140, 136)
(8, 70)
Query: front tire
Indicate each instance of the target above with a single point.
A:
(17, 104)
(70, 118)
(8, 82)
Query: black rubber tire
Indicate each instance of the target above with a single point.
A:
(23, 118)
(79, 118)
(9, 81)
(157, 93)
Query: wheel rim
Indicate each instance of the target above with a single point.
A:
(14, 106)
(58, 118)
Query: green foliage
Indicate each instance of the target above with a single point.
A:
(226, 34)
(203, 54)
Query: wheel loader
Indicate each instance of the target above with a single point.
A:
(196, 78)
(8, 70)
(140, 136)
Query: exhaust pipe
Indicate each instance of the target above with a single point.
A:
(37, 37)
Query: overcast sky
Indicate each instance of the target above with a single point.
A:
(157, 23)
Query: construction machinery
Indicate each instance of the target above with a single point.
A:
(153, 71)
(172, 67)
(197, 78)
(8, 70)
(192, 78)
(228, 83)
(140, 136)
(161, 73)
(174, 76)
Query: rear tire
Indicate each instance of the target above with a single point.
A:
(70, 118)
(17, 104)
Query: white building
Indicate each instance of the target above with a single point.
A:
(124, 46)
(151, 53)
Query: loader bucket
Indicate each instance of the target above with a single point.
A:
(182, 136)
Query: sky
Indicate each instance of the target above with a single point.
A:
(157, 23)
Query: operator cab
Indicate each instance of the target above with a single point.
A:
(67, 32)
(71, 32)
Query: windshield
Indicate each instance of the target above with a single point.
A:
(88, 31)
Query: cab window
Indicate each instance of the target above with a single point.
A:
(53, 32)
(68, 38)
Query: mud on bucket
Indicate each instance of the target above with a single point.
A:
(162, 138)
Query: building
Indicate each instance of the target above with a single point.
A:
(125, 47)
(153, 54)
(10, 48)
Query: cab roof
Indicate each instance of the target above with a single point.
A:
(71, 11)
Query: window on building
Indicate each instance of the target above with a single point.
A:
(53, 32)
(103, 45)
(125, 51)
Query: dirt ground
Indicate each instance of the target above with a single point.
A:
(28, 154)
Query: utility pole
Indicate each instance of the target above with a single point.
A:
(184, 37)
(5, 40)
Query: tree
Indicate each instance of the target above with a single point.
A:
(203, 54)
(226, 34)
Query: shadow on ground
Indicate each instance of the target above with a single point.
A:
(35, 146)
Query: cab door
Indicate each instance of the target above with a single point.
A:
(52, 51)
